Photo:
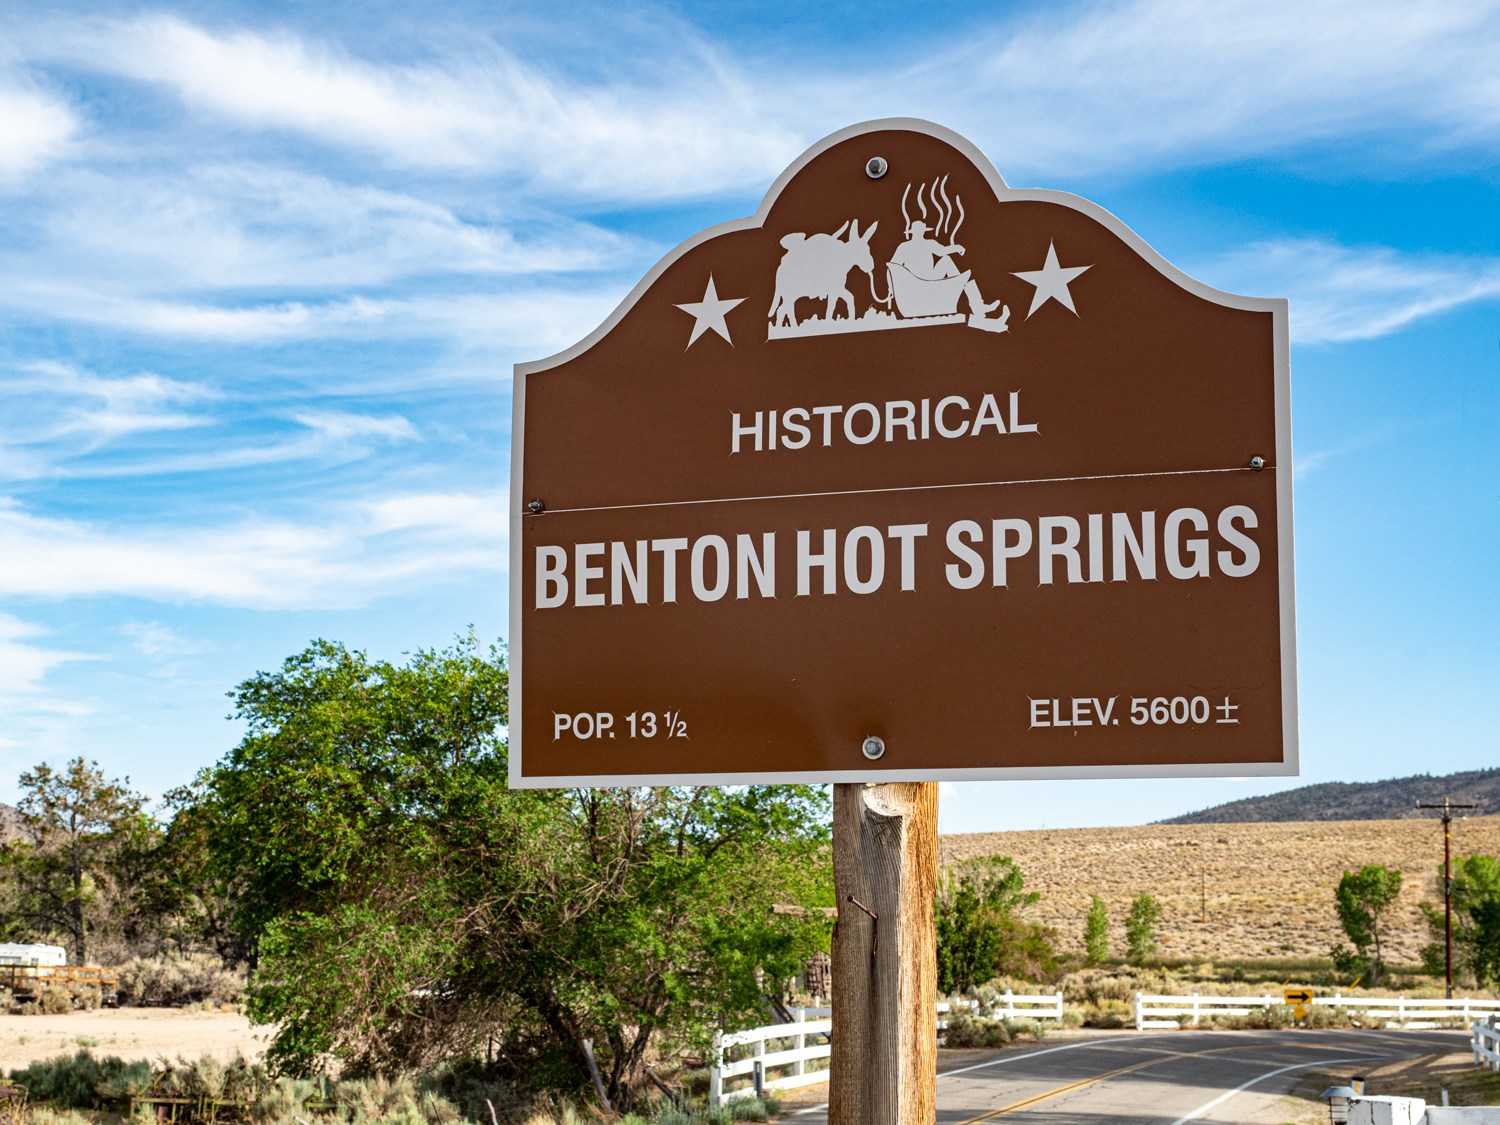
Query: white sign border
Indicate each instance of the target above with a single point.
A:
(1276, 306)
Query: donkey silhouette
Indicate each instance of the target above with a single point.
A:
(818, 265)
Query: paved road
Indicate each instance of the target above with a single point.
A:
(1167, 1079)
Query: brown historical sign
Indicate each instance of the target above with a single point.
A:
(907, 476)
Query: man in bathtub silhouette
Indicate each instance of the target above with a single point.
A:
(925, 258)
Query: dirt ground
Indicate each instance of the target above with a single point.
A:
(130, 1033)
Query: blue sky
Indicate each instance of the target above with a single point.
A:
(265, 268)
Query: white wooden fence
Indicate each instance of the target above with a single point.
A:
(1166, 1011)
(802, 1063)
(802, 1057)
(1487, 1043)
(1011, 1006)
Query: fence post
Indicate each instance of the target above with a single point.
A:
(1139, 1011)
(1010, 1001)
(1059, 1007)
(800, 1066)
(1195, 1009)
(716, 1073)
(1401, 1011)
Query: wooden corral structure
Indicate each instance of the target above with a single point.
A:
(28, 982)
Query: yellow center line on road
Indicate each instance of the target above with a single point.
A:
(1059, 1091)
(1083, 1083)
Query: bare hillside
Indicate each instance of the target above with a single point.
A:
(1268, 889)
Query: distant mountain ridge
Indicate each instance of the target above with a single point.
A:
(1359, 800)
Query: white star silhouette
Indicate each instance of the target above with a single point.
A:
(709, 313)
(1051, 282)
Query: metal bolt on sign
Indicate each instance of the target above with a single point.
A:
(873, 747)
(876, 167)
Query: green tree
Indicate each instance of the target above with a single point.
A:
(1140, 929)
(79, 861)
(980, 933)
(1476, 922)
(1364, 899)
(406, 907)
(1096, 933)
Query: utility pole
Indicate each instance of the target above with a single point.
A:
(1447, 806)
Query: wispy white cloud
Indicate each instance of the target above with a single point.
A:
(36, 128)
(61, 421)
(158, 642)
(346, 558)
(1341, 293)
(523, 320)
(110, 406)
(689, 127)
(327, 437)
(1064, 90)
(53, 412)
(24, 663)
(1162, 83)
(249, 226)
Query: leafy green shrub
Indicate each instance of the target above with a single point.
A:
(1072, 1019)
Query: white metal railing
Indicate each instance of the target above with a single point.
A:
(809, 1039)
(1165, 1011)
(1487, 1043)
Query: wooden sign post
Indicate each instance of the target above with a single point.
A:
(884, 1062)
(904, 400)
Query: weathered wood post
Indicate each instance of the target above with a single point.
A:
(884, 1064)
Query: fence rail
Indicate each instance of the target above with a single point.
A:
(1487, 1043)
(1167, 1011)
(798, 1062)
(1010, 1005)
(28, 982)
(803, 1061)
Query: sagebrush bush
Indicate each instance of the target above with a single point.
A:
(54, 1001)
(970, 1031)
(1108, 1014)
(177, 979)
(82, 1081)
(46, 1115)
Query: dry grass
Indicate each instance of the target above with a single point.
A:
(1268, 889)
